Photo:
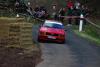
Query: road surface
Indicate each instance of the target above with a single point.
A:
(76, 52)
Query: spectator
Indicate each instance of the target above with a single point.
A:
(36, 11)
(43, 12)
(70, 7)
(77, 5)
(77, 11)
(54, 12)
(29, 10)
(70, 4)
(40, 12)
(17, 6)
(84, 12)
(70, 14)
(20, 7)
(61, 13)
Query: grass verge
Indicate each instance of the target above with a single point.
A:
(85, 35)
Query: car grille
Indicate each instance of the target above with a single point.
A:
(52, 34)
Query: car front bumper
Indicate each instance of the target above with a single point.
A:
(56, 39)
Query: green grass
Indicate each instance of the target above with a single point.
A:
(87, 36)
(89, 32)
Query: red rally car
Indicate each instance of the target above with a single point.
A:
(52, 31)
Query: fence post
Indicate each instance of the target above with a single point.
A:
(81, 23)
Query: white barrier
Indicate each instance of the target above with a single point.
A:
(81, 23)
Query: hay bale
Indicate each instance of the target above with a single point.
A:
(17, 32)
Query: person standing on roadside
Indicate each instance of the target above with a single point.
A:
(61, 14)
(36, 11)
(84, 11)
(17, 4)
(69, 4)
(70, 7)
(77, 5)
(77, 11)
(54, 12)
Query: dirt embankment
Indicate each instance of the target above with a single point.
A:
(16, 57)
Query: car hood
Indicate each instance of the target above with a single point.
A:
(52, 30)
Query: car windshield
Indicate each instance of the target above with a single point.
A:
(54, 25)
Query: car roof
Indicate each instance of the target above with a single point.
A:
(52, 21)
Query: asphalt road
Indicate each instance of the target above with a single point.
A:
(76, 52)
